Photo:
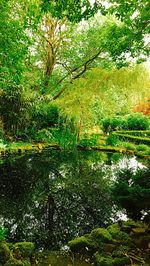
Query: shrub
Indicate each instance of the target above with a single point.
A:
(89, 141)
(112, 140)
(129, 146)
(14, 109)
(142, 147)
(45, 115)
(135, 139)
(43, 135)
(138, 122)
(114, 123)
(66, 133)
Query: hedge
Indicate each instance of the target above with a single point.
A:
(135, 139)
(141, 133)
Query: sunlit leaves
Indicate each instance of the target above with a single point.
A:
(105, 92)
(74, 10)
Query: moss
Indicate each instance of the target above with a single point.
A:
(14, 262)
(120, 251)
(132, 224)
(23, 249)
(109, 248)
(121, 261)
(102, 261)
(113, 229)
(101, 235)
(139, 230)
(83, 244)
(61, 258)
(4, 252)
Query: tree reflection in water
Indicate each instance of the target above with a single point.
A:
(50, 197)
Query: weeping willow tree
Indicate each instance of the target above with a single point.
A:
(102, 92)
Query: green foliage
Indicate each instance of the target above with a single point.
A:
(138, 121)
(14, 109)
(23, 249)
(13, 44)
(134, 122)
(131, 138)
(3, 233)
(131, 191)
(139, 133)
(43, 135)
(45, 115)
(128, 146)
(4, 252)
(142, 147)
(123, 239)
(112, 140)
(74, 10)
(89, 141)
(103, 261)
(66, 133)
(101, 235)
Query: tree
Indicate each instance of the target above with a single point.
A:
(135, 16)
(13, 46)
(73, 10)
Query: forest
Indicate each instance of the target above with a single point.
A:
(74, 132)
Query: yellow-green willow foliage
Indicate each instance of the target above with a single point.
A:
(105, 92)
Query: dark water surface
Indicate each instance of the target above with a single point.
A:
(52, 196)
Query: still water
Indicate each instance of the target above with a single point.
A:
(51, 197)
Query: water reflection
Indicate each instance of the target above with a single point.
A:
(49, 198)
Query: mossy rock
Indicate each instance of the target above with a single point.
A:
(83, 244)
(114, 230)
(14, 262)
(101, 235)
(139, 230)
(23, 249)
(132, 224)
(4, 252)
(100, 260)
(109, 248)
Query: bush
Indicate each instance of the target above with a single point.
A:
(43, 135)
(14, 109)
(138, 122)
(129, 146)
(66, 133)
(131, 138)
(114, 123)
(112, 140)
(142, 147)
(45, 115)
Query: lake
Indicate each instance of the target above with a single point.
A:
(51, 197)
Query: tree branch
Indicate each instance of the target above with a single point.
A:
(84, 66)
